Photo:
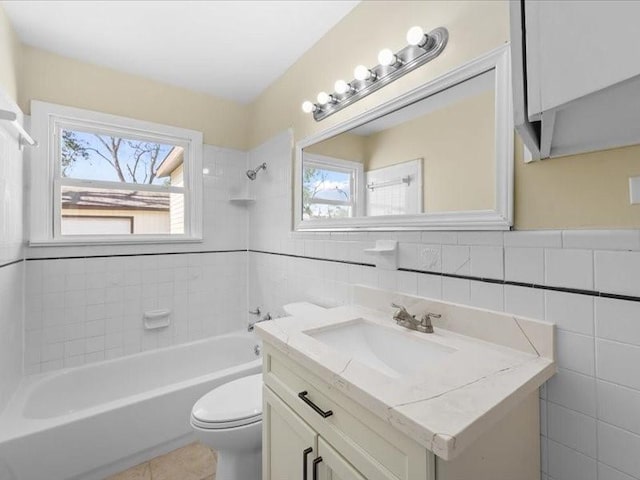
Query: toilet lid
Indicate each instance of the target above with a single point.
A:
(232, 404)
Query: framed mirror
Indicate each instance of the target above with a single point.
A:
(439, 157)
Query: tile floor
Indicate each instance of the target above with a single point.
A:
(193, 462)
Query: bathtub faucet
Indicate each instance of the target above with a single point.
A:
(264, 318)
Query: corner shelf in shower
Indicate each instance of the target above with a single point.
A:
(242, 200)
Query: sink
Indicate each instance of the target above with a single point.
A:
(388, 350)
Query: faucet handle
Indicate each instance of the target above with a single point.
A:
(401, 307)
(255, 312)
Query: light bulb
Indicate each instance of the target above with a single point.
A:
(341, 87)
(415, 36)
(206, 171)
(386, 57)
(362, 73)
(308, 107)
(323, 98)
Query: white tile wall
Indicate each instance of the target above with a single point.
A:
(11, 250)
(590, 420)
(84, 310)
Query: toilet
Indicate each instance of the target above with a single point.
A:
(229, 420)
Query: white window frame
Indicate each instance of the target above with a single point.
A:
(340, 165)
(48, 119)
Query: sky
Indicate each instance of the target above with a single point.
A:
(97, 168)
(334, 183)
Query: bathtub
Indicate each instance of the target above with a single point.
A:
(95, 420)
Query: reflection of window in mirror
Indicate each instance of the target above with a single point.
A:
(330, 187)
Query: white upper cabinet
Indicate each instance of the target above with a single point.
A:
(576, 73)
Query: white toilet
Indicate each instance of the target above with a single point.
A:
(229, 420)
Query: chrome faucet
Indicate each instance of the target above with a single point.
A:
(405, 319)
(264, 318)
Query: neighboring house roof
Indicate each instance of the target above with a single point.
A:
(173, 160)
(115, 200)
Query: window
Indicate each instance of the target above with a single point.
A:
(102, 178)
(330, 187)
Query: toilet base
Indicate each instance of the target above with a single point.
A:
(239, 465)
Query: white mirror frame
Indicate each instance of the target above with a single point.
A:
(499, 219)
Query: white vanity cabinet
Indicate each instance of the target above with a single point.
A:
(327, 436)
(576, 74)
(352, 443)
(287, 434)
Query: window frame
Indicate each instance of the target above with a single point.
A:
(49, 119)
(339, 165)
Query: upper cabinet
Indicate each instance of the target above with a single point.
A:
(576, 74)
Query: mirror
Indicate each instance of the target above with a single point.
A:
(439, 157)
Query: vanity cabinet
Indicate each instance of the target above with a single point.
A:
(576, 74)
(287, 434)
(324, 435)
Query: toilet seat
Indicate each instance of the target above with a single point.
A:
(233, 404)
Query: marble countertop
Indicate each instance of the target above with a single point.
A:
(444, 405)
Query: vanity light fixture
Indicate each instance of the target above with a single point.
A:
(342, 88)
(388, 59)
(363, 74)
(416, 37)
(308, 107)
(422, 47)
(324, 98)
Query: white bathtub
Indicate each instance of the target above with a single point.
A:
(91, 421)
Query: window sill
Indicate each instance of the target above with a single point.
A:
(91, 241)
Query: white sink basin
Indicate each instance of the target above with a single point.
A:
(392, 352)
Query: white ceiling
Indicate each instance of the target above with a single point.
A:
(231, 49)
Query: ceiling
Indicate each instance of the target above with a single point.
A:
(230, 49)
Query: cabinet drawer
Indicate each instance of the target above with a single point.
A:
(373, 447)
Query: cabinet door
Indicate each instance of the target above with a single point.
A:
(289, 444)
(329, 465)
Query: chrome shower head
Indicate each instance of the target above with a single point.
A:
(252, 174)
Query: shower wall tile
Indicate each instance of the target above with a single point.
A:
(11, 251)
(204, 292)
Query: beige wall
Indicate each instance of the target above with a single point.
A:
(53, 78)
(9, 57)
(579, 191)
(144, 221)
(346, 146)
(457, 144)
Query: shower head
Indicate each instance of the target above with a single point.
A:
(252, 174)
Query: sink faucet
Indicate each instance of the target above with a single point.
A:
(405, 319)
(264, 318)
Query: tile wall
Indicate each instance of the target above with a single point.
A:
(86, 303)
(11, 264)
(587, 282)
